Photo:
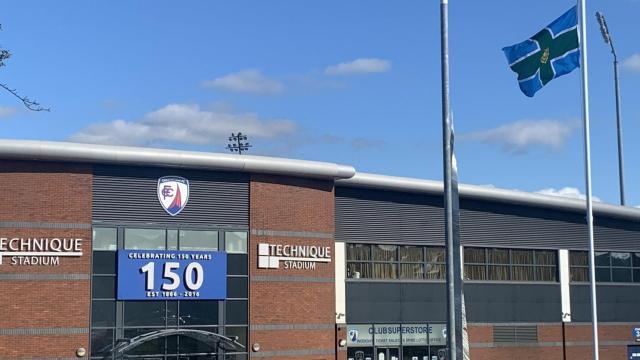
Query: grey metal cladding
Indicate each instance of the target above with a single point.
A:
(128, 195)
(375, 216)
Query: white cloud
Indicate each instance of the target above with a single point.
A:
(7, 111)
(520, 136)
(632, 63)
(249, 81)
(359, 66)
(184, 124)
(569, 192)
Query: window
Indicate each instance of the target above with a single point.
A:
(236, 242)
(145, 239)
(198, 240)
(409, 262)
(621, 267)
(510, 264)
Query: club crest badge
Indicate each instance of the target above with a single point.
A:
(173, 193)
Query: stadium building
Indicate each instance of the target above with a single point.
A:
(116, 252)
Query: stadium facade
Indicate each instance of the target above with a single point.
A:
(117, 252)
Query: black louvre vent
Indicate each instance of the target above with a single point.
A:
(515, 334)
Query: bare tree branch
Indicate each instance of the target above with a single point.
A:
(28, 103)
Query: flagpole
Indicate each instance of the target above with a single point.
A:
(453, 253)
(587, 156)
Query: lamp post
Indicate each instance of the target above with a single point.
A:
(607, 39)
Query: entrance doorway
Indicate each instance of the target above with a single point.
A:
(388, 354)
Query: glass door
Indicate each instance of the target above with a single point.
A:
(388, 354)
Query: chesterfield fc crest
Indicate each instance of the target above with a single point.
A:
(173, 193)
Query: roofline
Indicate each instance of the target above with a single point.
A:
(484, 193)
(344, 175)
(123, 155)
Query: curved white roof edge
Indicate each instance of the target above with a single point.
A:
(344, 175)
(108, 154)
(374, 181)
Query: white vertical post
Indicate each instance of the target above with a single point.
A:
(565, 293)
(582, 22)
(340, 265)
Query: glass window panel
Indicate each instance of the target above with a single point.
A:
(360, 252)
(474, 256)
(498, 256)
(385, 271)
(187, 345)
(636, 275)
(359, 270)
(144, 313)
(411, 254)
(621, 274)
(144, 239)
(172, 239)
(475, 272)
(198, 312)
(103, 313)
(152, 347)
(546, 257)
(237, 312)
(105, 239)
(172, 313)
(435, 254)
(237, 287)
(384, 252)
(603, 274)
(636, 260)
(101, 341)
(522, 256)
(411, 271)
(578, 258)
(236, 241)
(103, 287)
(435, 272)
(579, 274)
(602, 258)
(499, 272)
(240, 332)
(198, 240)
(237, 264)
(546, 273)
(523, 273)
(621, 259)
(104, 262)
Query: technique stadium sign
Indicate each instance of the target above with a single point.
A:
(305, 257)
(38, 251)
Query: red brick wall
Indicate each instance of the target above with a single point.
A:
(613, 341)
(46, 193)
(300, 205)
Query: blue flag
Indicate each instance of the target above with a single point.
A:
(552, 52)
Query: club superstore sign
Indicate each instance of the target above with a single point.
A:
(396, 334)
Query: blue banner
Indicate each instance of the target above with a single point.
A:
(171, 275)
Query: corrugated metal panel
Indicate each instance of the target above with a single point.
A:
(374, 216)
(128, 195)
(515, 334)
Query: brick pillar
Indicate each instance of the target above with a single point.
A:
(44, 309)
(292, 311)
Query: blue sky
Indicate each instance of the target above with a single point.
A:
(355, 82)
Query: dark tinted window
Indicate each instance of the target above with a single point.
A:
(603, 274)
(152, 347)
(237, 312)
(237, 287)
(239, 332)
(237, 264)
(198, 312)
(103, 313)
(101, 341)
(104, 287)
(144, 313)
(104, 262)
(602, 258)
(621, 275)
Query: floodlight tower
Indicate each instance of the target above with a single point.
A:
(237, 144)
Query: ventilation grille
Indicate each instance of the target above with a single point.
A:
(515, 334)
